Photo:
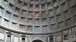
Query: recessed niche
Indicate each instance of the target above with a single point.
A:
(65, 13)
(43, 12)
(50, 10)
(24, 11)
(14, 23)
(31, 5)
(37, 0)
(42, 5)
(21, 25)
(31, 0)
(15, 15)
(17, 8)
(19, 1)
(45, 27)
(52, 20)
(5, 0)
(37, 29)
(41, 0)
(15, 18)
(29, 20)
(25, 4)
(36, 12)
(29, 28)
(73, 8)
(65, 37)
(36, 5)
(30, 11)
(44, 19)
(8, 12)
(48, 4)
(58, 17)
(60, 25)
(22, 17)
(6, 20)
(53, 1)
(56, 7)
(37, 21)
(68, 22)
(53, 26)
(63, 4)
(74, 17)
(11, 5)
(1, 7)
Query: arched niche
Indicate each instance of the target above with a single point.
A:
(37, 41)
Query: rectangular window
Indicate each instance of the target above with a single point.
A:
(8, 38)
(66, 37)
(51, 39)
(23, 39)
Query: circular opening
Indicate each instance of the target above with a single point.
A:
(37, 41)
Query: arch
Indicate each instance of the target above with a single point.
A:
(37, 41)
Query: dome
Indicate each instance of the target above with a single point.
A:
(35, 16)
(37, 20)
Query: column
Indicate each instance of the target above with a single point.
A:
(54, 39)
(16, 39)
(48, 39)
(12, 38)
(26, 39)
(60, 38)
(20, 39)
(5, 37)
